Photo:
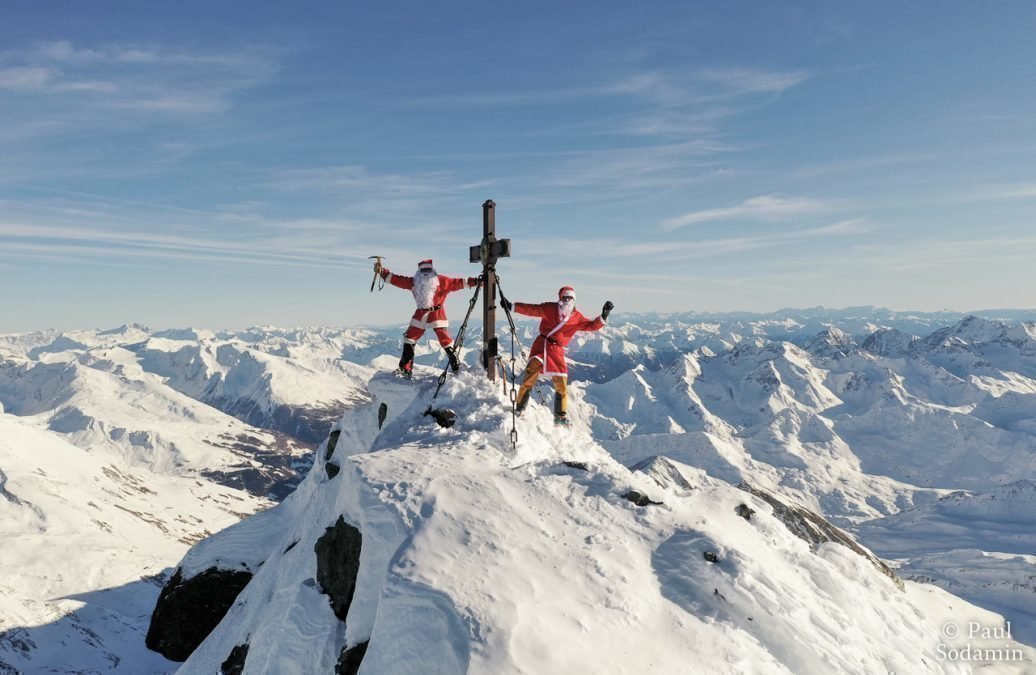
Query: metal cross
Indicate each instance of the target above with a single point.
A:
(487, 253)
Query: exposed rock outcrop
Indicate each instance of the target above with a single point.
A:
(349, 661)
(189, 609)
(338, 563)
(235, 663)
(815, 530)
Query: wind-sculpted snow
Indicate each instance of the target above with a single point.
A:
(479, 559)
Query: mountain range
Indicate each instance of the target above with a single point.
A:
(909, 435)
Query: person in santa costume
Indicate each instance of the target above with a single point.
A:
(559, 322)
(430, 291)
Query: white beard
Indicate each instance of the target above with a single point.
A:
(565, 308)
(425, 286)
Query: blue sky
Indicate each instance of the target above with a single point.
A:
(230, 164)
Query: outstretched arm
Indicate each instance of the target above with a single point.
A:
(452, 284)
(590, 325)
(399, 281)
(599, 322)
(540, 311)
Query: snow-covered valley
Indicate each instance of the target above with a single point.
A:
(916, 434)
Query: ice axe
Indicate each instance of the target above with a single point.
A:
(377, 269)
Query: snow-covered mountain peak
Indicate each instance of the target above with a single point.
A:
(482, 560)
(831, 343)
(890, 343)
(185, 334)
(971, 330)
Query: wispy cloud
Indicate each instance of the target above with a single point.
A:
(607, 247)
(358, 178)
(750, 81)
(638, 168)
(671, 88)
(369, 192)
(64, 52)
(764, 207)
(107, 79)
(868, 163)
(93, 241)
(1008, 191)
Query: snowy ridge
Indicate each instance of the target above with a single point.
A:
(477, 560)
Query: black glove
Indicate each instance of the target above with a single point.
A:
(506, 304)
(608, 307)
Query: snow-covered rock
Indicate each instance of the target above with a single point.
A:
(476, 558)
(831, 343)
(890, 343)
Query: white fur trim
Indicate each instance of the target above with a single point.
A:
(422, 324)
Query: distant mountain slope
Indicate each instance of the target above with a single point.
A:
(980, 546)
(102, 401)
(85, 542)
(861, 431)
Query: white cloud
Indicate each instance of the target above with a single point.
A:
(764, 207)
(748, 80)
(1015, 191)
(108, 83)
(25, 78)
(844, 227)
(681, 250)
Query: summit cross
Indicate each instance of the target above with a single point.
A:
(487, 253)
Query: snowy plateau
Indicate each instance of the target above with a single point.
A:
(810, 491)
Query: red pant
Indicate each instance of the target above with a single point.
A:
(414, 333)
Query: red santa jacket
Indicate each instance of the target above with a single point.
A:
(555, 333)
(430, 296)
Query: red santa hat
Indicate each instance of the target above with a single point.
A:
(425, 265)
(566, 291)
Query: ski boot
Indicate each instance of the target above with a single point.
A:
(522, 404)
(560, 416)
(451, 354)
(406, 363)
